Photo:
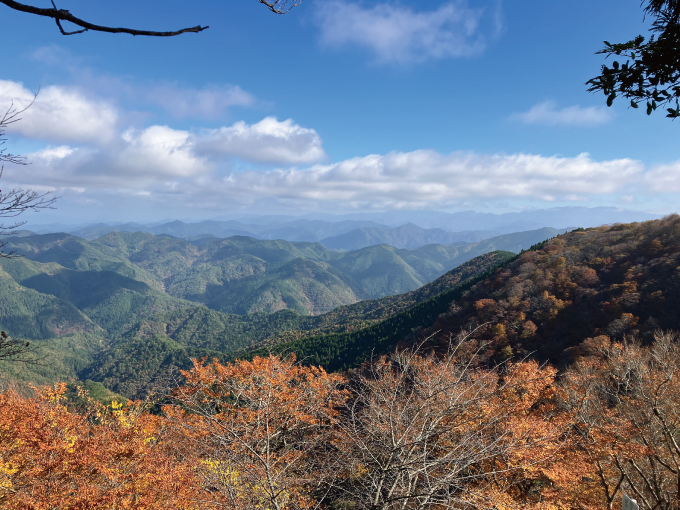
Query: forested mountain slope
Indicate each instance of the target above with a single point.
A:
(407, 236)
(127, 305)
(615, 281)
(240, 274)
(365, 313)
(155, 348)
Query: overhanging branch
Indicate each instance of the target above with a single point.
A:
(60, 15)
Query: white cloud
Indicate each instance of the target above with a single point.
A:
(268, 141)
(209, 102)
(137, 159)
(664, 178)
(160, 154)
(424, 178)
(59, 114)
(162, 151)
(161, 161)
(547, 113)
(397, 34)
(419, 179)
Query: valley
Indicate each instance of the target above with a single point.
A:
(130, 309)
(98, 308)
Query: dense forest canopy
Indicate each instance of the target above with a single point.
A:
(409, 430)
(617, 281)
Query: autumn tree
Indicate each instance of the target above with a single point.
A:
(627, 398)
(430, 431)
(115, 457)
(260, 431)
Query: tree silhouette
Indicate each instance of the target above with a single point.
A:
(651, 71)
(16, 201)
(59, 15)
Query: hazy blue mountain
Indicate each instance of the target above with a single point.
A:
(407, 236)
(558, 217)
(20, 233)
(313, 230)
(100, 229)
(297, 230)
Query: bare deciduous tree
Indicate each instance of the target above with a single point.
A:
(59, 15)
(426, 432)
(628, 397)
(16, 201)
(12, 204)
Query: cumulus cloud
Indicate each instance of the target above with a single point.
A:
(161, 166)
(209, 102)
(664, 178)
(419, 179)
(398, 34)
(547, 113)
(268, 141)
(160, 154)
(424, 178)
(138, 158)
(60, 114)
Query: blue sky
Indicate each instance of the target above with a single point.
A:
(337, 106)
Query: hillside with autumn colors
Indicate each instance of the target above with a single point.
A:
(544, 380)
(620, 280)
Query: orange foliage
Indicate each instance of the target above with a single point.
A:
(260, 429)
(51, 458)
(407, 431)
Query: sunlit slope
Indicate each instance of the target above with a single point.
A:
(159, 346)
(621, 281)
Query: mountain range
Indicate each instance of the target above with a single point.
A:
(125, 310)
(76, 299)
(400, 229)
(556, 302)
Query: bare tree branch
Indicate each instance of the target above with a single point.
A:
(14, 349)
(281, 6)
(17, 201)
(11, 116)
(60, 15)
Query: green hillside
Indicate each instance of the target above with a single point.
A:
(128, 308)
(62, 358)
(236, 275)
(340, 351)
(157, 347)
(79, 255)
(365, 313)
(547, 303)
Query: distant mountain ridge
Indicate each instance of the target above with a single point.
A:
(558, 217)
(407, 236)
(73, 298)
(298, 230)
(556, 302)
(354, 231)
(245, 275)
